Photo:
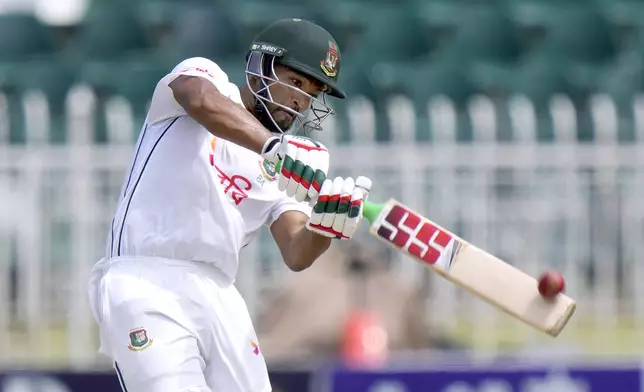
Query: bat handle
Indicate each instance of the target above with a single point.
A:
(371, 211)
(364, 184)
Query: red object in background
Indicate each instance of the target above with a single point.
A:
(364, 340)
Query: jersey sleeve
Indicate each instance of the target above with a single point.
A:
(287, 204)
(163, 105)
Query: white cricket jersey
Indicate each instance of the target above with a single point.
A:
(189, 195)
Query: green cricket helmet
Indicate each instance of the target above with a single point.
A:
(307, 49)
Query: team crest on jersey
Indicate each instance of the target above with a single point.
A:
(330, 63)
(139, 339)
(268, 170)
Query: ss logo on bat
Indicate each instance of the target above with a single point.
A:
(414, 235)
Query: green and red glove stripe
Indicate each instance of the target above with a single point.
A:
(297, 170)
(332, 205)
(307, 177)
(287, 167)
(343, 205)
(321, 204)
(354, 208)
(318, 180)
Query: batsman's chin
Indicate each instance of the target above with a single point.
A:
(283, 118)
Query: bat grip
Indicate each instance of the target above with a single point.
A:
(365, 192)
(364, 184)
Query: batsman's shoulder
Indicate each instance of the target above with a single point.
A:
(200, 67)
(164, 102)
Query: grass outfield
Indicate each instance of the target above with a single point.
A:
(51, 350)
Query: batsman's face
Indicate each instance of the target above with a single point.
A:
(295, 92)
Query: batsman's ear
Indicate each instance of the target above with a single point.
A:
(363, 183)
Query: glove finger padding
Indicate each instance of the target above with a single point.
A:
(355, 211)
(332, 203)
(304, 167)
(288, 153)
(319, 210)
(319, 166)
(294, 183)
(340, 218)
(338, 210)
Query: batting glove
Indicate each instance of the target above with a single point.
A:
(338, 210)
(303, 164)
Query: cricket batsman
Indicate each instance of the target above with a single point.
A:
(214, 163)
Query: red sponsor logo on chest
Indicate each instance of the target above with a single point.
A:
(235, 186)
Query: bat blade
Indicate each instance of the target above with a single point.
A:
(473, 269)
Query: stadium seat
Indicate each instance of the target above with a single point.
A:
(626, 15)
(469, 29)
(346, 32)
(158, 12)
(484, 34)
(111, 32)
(22, 37)
(569, 29)
(449, 13)
(443, 14)
(252, 16)
(627, 19)
(235, 69)
(207, 31)
(352, 20)
(405, 42)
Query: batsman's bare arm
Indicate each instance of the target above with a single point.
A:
(299, 246)
(217, 113)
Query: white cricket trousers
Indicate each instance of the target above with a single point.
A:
(174, 326)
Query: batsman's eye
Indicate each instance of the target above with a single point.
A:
(296, 83)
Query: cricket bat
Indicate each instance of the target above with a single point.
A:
(475, 270)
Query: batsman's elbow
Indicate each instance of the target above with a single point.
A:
(298, 265)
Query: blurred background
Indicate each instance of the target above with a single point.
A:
(517, 124)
